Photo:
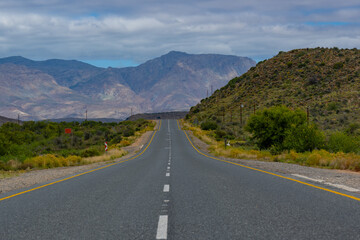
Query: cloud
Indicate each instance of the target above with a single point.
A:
(137, 31)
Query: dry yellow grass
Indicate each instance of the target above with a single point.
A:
(51, 161)
(110, 155)
(9, 174)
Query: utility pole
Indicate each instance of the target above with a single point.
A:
(207, 93)
(18, 118)
(131, 112)
(86, 115)
(307, 115)
(211, 92)
(254, 108)
(241, 114)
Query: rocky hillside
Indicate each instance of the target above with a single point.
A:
(327, 81)
(65, 89)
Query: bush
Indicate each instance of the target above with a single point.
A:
(220, 134)
(128, 132)
(352, 129)
(340, 142)
(269, 126)
(304, 138)
(338, 65)
(209, 125)
(90, 152)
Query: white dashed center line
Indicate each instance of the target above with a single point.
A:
(162, 227)
(166, 188)
(168, 174)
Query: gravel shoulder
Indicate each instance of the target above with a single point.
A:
(33, 177)
(345, 180)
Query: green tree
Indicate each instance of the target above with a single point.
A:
(269, 126)
(209, 125)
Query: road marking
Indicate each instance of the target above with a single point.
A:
(78, 175)
(168, 163)
(350, 189)
(168, 168)
(177, 121)
(168, 174)
(270, 173)
(160, 125)
(162, 227)
(166, 188)
(305, 177)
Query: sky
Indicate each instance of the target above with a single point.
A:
(120, 33)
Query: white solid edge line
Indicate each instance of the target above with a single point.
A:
(166, 188)
(350, 189)
(162, 227)
(305, 177)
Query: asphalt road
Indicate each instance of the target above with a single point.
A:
(173, 192)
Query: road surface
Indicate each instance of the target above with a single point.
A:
(171, 191)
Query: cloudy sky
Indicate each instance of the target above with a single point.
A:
(128, 32)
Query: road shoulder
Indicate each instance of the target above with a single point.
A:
(342, 179)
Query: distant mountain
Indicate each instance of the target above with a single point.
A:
(65, 88)
(66, 72)
(5, 120)
(325, 80)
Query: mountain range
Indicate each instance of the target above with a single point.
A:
(67, 88)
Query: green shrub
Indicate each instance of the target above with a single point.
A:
(220, 134)
(333, 106)
(352, 129)
(341, 142)
(128, 132)
(338, 65)
(208, 125)
(90, 152)
(304, 138)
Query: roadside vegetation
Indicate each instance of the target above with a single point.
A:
(300, 106)
(281, 134)
(47, 145)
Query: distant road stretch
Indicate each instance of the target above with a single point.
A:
(171, 191)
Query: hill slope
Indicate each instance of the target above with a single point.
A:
(325, 80)
(63, 89)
